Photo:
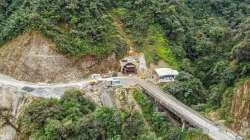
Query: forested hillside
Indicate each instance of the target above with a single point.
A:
(74, 117)
(77, 27)
(207, 40)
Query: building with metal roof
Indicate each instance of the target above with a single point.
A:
(163, 75)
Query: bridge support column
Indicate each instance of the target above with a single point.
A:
(183, 125)
(158, 107)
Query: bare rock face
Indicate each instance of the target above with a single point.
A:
(7, 133)
(240, 110)
(12, 104)
(6, 100)
(32, 57)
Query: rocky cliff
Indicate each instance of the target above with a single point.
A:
(12, 104)
(32, 57)
(240, 109)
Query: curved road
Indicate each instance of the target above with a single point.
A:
(43, 90)
(57, 90)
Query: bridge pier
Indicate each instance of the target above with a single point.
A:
(175, 121)
(172, 116)
(158, 107)
(181, 111)
(183, 125)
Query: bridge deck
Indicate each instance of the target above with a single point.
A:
(181, 110)
(168, 101)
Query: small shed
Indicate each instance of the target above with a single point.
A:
(112, 82)
(163, 75)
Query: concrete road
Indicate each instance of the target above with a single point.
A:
(43, 90)
(57, 90)
(186, 113)
(106, 97)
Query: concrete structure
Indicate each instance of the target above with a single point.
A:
(166, 100)
(129, 65)
(163, 75)
(112, 82)
(129, 68)
(135, 64)
(186, 113)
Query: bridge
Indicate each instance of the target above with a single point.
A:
(186, 113)
(166, 100)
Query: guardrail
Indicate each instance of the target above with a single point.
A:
(148, 87)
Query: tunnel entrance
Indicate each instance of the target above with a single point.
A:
(129, 68)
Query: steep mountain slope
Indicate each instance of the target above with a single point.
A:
(33, 57)
(240, 109)
(78, 28)
(208, 40)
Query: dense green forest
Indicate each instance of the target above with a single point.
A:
(77, 27)
(76, 118)
(207, 40)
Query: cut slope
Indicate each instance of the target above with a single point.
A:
(240, 109)
(32, 57)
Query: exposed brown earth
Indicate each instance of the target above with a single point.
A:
(32, 57)
(240, 110)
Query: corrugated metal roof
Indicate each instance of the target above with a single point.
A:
(166, 72)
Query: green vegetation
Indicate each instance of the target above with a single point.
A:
(188, 89)
(156, 47)
(196, 135)
(209, 40)
(227, 99)
(75, 117)
(78, 28)
(161, 125)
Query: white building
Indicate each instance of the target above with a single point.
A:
(163, 75)
(113, 82)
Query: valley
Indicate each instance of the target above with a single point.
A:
(124, 70)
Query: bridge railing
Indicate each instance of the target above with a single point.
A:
(146, 86)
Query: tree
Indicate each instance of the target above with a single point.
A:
(187, 89)
(242, 50)
(75, 117)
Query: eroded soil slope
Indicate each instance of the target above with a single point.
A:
(240, 110)
(32, 57)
